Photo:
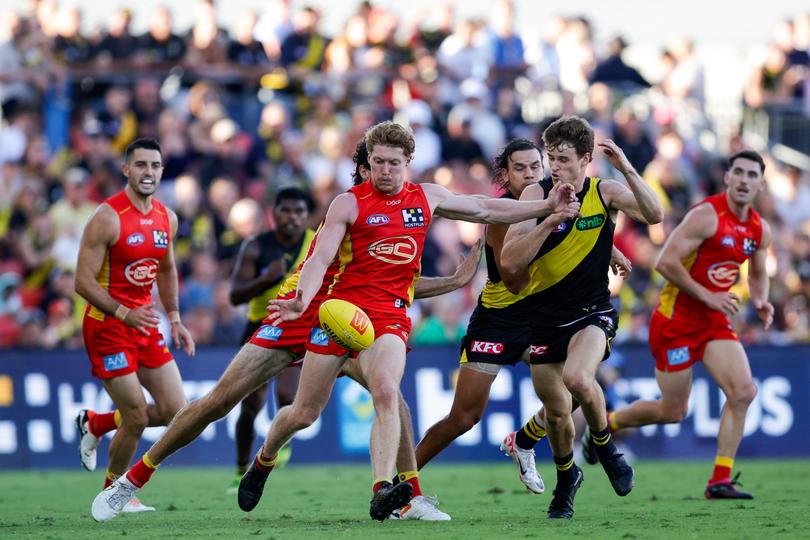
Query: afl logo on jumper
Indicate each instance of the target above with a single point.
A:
(394, 250)
(724, 274)
(142, 272)
(135, 239)
(560, 228)
(377, 219)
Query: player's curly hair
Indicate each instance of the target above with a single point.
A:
(389, 133)
(572, 131)
(501, 161)
(360, 158)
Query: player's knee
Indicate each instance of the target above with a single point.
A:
(742, 395)
(304, 416)
(385, 396)
(556, 418)
(134, 420)
(578, 384)
(465, 421)
(674, 413)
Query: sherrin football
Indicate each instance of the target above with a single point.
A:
(346, 324)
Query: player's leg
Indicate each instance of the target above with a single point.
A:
(382, 365)
(127, 395)
(519, 445)
(286, 387)
(556, 400)
(166, 387)
(586, 350)
(727, 362)
(469, 401)
(244, 432)
(317, 379)
(252, 366)
(670, 408)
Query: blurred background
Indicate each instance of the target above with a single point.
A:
(255, 96)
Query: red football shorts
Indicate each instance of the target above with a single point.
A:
(385, 322)
(676, 345)
(290, 335)
(116, 349)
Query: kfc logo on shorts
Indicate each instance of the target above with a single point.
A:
(377, 219)
(269, 332)
(537, 350)
(724, 274)
(142, 272)
(486, 347)
(394, 250)
(135, 239)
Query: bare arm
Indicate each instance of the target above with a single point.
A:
(477, 210)
(168, 286)
(100, 232)
(524, 239)
(514, 277)
(427, 287)
(245, 284)
(698, 225)
(341, 214)
(640, 201)
(758, 282)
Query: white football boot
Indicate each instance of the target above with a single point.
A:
(424, 509)
(87, 441)
(110, 502)
(524, 459)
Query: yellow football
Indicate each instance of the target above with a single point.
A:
(346, 324)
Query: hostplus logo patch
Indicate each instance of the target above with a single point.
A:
(161, 239)
(413, 217)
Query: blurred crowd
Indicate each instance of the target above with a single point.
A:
(275, 101)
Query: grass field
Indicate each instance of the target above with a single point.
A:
(485, 500)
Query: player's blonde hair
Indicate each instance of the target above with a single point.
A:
(389, 133)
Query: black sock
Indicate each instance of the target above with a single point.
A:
(603, 442)
(527, 436)
(566, 469)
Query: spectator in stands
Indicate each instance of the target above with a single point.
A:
(613, 71)
(160, 46)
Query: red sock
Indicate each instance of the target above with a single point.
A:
(722, 470)
(377, 485)
(411, 477)
(101, 423)
(141, 472)
(265, 465)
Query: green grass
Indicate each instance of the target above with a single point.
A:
(485, 500)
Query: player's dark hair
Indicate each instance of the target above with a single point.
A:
(146, 143)
(747, 154)
(294, 194)
(360, 158)
(501, 161)
(572, 131)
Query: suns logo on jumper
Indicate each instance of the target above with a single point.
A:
(724, 274)
(359, 322)
(142, 272)
(394, 250)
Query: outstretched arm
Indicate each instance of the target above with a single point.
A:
(523, 240)
(640, 201)
(477, 210)
(341, 214)
(427, 287)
